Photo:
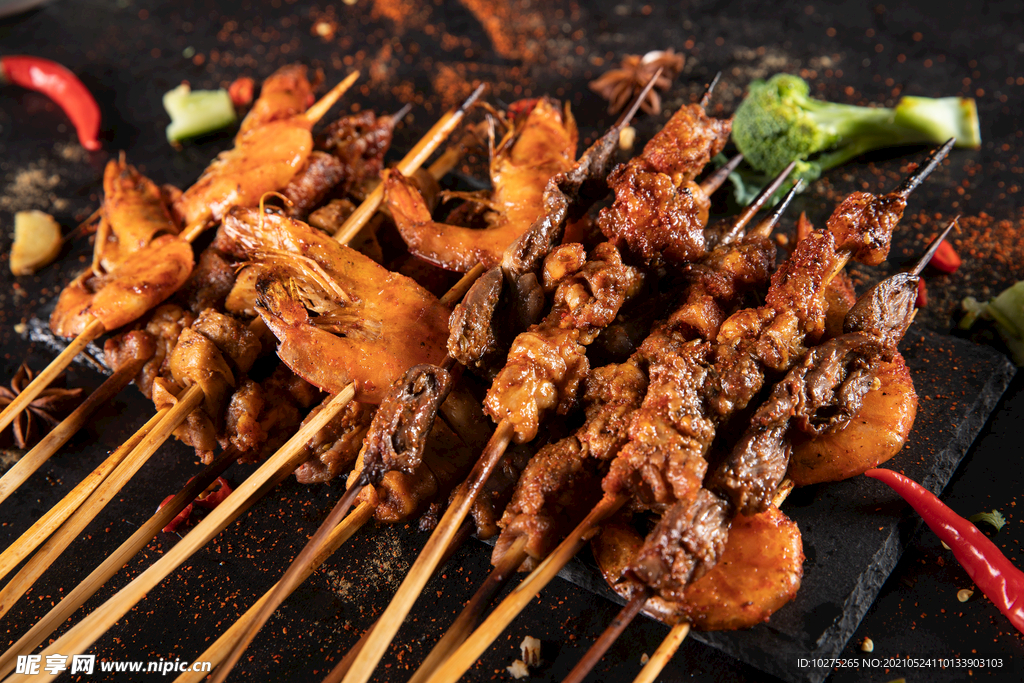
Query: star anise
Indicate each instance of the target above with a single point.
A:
(621, 85)
(48, 408)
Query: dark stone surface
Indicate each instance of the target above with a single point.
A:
(130, 52)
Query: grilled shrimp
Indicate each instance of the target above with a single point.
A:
(139, 260)
(541, 145)
(133, 215)
(338, 316)
(273, 144)
(759, 572)
(135, 286)
(876, 434)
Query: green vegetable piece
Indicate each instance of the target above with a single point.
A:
(780, 122)
(198, 112)
(995, 518)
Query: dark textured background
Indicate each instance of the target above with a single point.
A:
(129, 53)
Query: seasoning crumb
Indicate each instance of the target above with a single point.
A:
(964, 594)
(518, 669)
(867, 645)
(644, 659)
(21, 328)
(530, 647)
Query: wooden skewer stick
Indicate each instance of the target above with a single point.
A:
(60, 434)
(92, 331)
(664, 653)
(118, 559)
(342, 667)
(470, 615)
(48, 523)
(408, 165)
(221, 647)
(297, 572)
(672, 641)
(278, 466)
(324, 104)
(430, 556)
(520, 597)
(104, 493)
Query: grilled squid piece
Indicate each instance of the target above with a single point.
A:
(872, 437)
(338, 316)
(759, 572)
(273, 144)
(541, 145)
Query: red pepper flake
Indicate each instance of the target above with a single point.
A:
(922, 294)
(181, 518)
(241, 91)
(217, 492)
(946, 259)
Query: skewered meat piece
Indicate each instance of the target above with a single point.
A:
(548, 361)
(335, 447)
(353, 149)
(659, 213)
(331, 307)
(562, 481)
(511, 297)
(284, 94)
(541, 144)
(759, 572)
(875, 434)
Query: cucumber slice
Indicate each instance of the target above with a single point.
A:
(197, 112)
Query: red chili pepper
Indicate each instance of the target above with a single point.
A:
(922, 294)
(179, 519)
(946, 259)
(212, 497)
(985, 564)
(61, 86)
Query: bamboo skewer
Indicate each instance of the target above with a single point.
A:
(120, 557)
(60, 434)
(220, 649)
(92, 332)
(664, 653)
(470, 615)
(282, 463)
(342, 667)
(48, 523)
(99, 498)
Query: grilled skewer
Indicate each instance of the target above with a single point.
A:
(839, 369)
(616, 391)
(523, 283)
(872, 247)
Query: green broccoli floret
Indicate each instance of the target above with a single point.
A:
(779, 122)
